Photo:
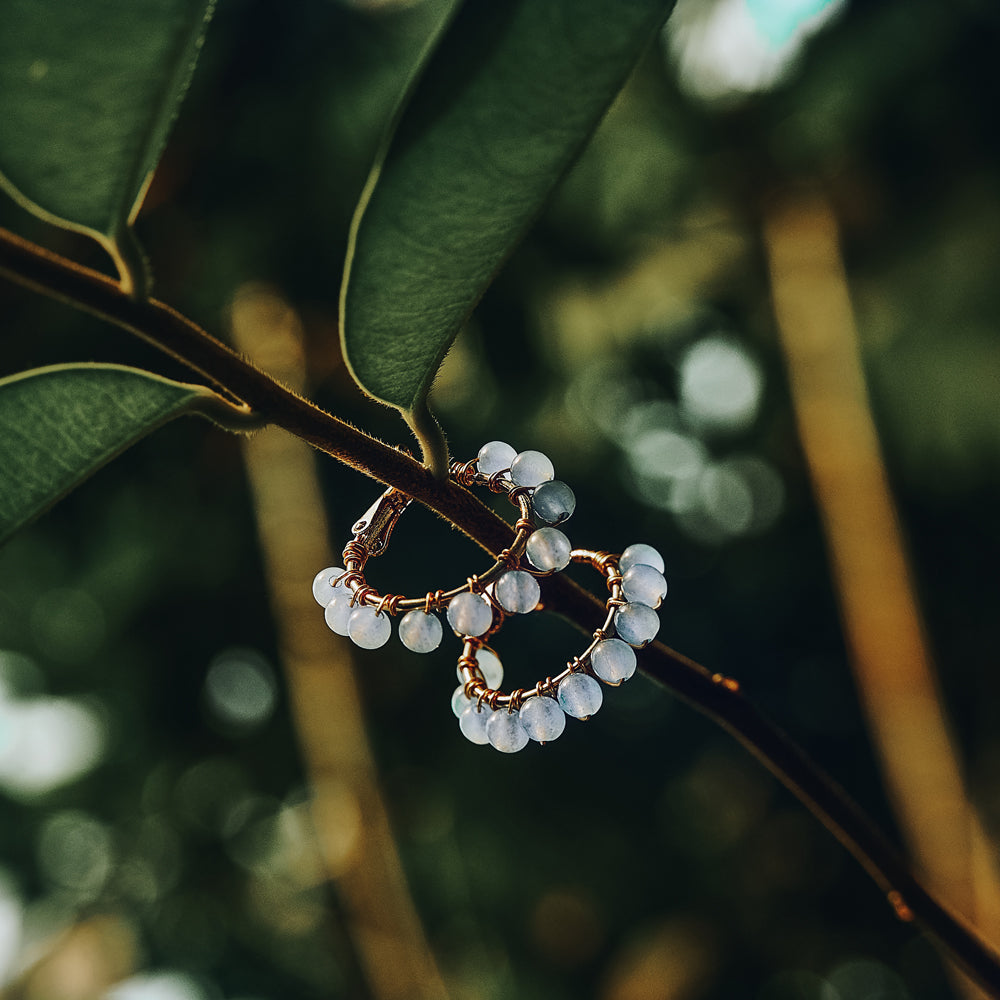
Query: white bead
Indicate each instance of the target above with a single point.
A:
(469, 614)
(518, 592)
(548, 549)
(368, 629)
(543, 719)
(637, 624)
(642, 554)
(531, 468)
(553, 502)
(613, 661)
(505, 732)
(472, 722)
(495, 457)
(489, 666)
(323, 588)
(644, 584)
(580, 695)
(339, 610)
(459, 701)
(420, 631)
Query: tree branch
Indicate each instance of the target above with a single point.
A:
(714, 695)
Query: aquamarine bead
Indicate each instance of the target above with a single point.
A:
(459, 701)
(495, 457)
(323, 588)
(613, 661)
(637, 624)
(489, 666)
(543, 719)
(640, 554)
(367, 628)
(580, 695)
(548, 550)
(518, 592)
(644, 584)
(553, 502)
(472, 722)
(339, 610)
(505, 732)
(420, 631)
(531, 468)
(469, 614)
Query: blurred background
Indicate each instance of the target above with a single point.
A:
(205, 795)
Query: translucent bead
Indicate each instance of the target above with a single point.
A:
(548, 549)
(459, 701)
(613, 661)
(580, 695)
(339, 610)
(420, 631)
(518, 592)
(495, 457)
(637, 624)
(531, 468)
(489, 666)
(640, 554)
(505, 732)
(543, 719)
(553, 502)
(323, 588)
(368, 629)
(472, 722)
(469, 614)
(644, 584)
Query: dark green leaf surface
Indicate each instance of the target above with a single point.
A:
(504, 104)
(88, 90)
(60, 424)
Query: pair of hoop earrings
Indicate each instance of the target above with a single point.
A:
(476, 610)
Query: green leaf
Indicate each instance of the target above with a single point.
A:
(88, 90)
(504, 104)
(60, 424)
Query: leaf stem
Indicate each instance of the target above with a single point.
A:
(713, 694)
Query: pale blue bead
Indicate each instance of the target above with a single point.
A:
(459, 701)
(518, 592)
(640, 554)
(323, 588)
(495, 457)
(338, 611)
(472, 722)
(489, 666)
(368, 629)
(613, 661)
(644, 584)
(470, 614)
(531, 468)
(420, 631)
(579, 695)
(505, 732)
(548, 549)
(553, 502)
(543, 719)
(637, 624)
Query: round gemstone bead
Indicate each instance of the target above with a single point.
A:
(469, 614)
(489, 666)
(473, 721)
(518, 592)
(580, 695)
(531, 468)
(543, 720)
(644, 584)
(548, 549)
(505, 732)
(368, 629)
(339, 610)
(613, 661)
(553, 502)
(323, 587)
(637, 624)
(495, 457)
(420, 631)
(459, 701)
(640, 554)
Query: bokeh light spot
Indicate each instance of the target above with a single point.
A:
(240, 690)
(75, 853)
(720, 384)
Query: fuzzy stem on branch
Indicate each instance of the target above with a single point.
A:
(714, 695)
